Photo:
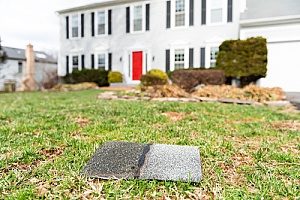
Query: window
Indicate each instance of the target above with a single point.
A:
(20, 67)
(138, 18)
(216, 12)
(180, 13)
(75, 26)
(179, 59)
(101, 61)
(101, 23)
(75, 62)
(213, 56)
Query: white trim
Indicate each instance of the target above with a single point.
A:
(143, 17)
(270, 20)
(96, 23)
(186, 56)
(173, 15)
(224, 13)
(71, 26)
(96, 55)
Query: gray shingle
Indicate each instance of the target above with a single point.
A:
(19, 54)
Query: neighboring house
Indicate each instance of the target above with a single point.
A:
(134, 36)
(13, 67)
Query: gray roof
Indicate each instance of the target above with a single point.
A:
(19, 54)
(257, 9)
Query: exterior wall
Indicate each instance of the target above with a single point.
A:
(154, 42)
(283, 51)
(10, 71)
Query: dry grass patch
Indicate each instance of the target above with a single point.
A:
(174, 116)
(82, 121)
(289, 125)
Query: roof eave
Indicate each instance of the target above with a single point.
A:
(270, 21)
(95, 5)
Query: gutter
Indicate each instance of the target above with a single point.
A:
(106, 3)
(270, 21)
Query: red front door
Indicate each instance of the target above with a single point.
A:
(137, 65)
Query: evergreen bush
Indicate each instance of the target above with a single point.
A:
(98, 76)
(115, 77)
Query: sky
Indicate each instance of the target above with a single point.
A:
(33, 21)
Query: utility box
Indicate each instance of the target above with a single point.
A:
(10, 86)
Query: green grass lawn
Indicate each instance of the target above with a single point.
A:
(46, 138)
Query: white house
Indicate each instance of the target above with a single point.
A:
(134, 36)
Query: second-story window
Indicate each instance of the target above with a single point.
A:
(75, 26)
(180, 13)
(216, 11)
(138, 18)
(101, 23)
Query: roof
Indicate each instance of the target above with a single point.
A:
(19, 54)
(258, 9)
(103, 3)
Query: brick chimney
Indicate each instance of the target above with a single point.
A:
(29, 83)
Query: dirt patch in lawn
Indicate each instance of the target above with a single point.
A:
(51, 153)
(232, 170)
(286, 125)
(82, 121)
(174, 116)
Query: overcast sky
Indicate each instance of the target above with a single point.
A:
(33, 21)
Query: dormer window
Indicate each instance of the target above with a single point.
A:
(180, 13)
(75, 26)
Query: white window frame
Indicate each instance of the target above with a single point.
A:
(172, 56)
(97, 58)
(97, 20)
(72, 66)
(71, 25)
(224, 13)
(143, 17)
(173, 14)
(179, 62)
(212, 60)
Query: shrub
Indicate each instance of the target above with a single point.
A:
(154, 77)
(115, 77)
(158, 73)
(98, 76)
(244, 58)
(188, 79)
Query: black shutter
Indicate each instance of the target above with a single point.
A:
(168, 14)
(109, 23)
(203, 12)
(67, 27)
(67, 65)
(82, 62)
(167, 60)
(191, 57)
(82, 25)
(128, 20)
(93, 61)
(110, 61)
(93, 23)
(229, 12)
(191, 12)
(202, 57)
(147, 17)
